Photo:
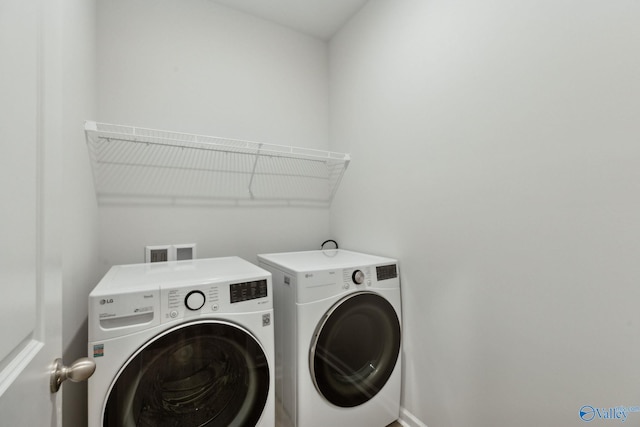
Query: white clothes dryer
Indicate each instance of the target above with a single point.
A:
(186, 343)
(338, 338)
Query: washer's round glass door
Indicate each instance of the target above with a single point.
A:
(212, 374)
(355, 349)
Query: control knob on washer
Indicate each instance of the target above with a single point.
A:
(358, 277)
(194, 300)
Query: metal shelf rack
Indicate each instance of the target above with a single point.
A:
(141, 166)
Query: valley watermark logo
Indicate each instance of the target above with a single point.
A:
(589, 413)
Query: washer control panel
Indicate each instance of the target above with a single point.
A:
(178, 302)
(247, 291)
(197, 300)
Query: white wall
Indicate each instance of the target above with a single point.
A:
(197, 67)
(495, 153)
(80, 230)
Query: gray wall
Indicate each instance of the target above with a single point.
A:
(197, 67)
(495, 153)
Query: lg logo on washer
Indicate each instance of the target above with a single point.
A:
(104, 301)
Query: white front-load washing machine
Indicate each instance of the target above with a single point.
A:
(183, 343)
(338, 338)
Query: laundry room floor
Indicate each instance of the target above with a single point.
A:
(395, 424)
(283, 421)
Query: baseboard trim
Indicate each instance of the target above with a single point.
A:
(407, 419)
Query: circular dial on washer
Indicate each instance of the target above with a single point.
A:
(194, 300)
(358, 277)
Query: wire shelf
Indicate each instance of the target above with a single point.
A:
(140, 165)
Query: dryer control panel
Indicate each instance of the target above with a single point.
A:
(320, 284)
(356, 276)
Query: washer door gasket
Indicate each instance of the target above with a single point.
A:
(355, 349)
(207, 373)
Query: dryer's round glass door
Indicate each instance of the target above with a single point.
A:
(355, 349)
(211, 374)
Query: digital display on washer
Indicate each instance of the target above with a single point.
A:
(246, 291)
(385, 272)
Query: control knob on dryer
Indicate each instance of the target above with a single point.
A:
(358, 277)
